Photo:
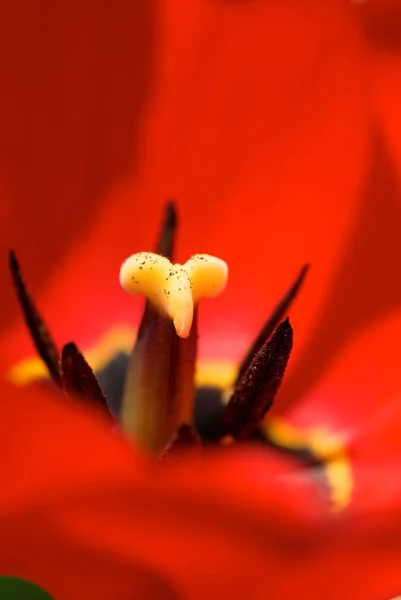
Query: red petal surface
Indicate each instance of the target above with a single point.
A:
(255, 120)
(365, 287)
(359, 384)
(381, 21)
(83, 516)
(76, 76)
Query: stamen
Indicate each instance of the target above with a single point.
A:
(254, 393)
(40, 335)
(79, 381)
(173, 288)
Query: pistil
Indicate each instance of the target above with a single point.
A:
(160, 386)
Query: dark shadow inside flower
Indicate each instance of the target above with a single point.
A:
(111, 379)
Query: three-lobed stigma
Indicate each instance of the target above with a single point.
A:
(174, 288)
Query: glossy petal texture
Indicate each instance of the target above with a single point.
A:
(247, 121)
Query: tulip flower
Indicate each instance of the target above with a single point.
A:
(276, 126)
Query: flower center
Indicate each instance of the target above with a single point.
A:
(157, 392)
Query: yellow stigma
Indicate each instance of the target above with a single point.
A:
(173, 288)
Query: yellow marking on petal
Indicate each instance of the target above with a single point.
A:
(27, 370)
(341, 481)
(325, 446)
(174, 288)
(216, 373)
(116, 340)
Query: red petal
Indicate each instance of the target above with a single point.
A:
(365, 286)
(81, 516)
(256, 122)
(381, 20)
(77, 76)
(361, 380)
(370, 528)
(76, 448)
